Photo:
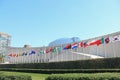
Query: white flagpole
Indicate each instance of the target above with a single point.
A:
(61, 52)
(30, 55)
(57, 52)
(112, 40)
(97, 49)
(38, 55)
(45, 55)
(66, 55)
(76, 49)
(12, 58)
(113, 44)
(34, 55)
(104, 45)
(71, 53)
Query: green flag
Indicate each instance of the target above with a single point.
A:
(56, 49)
(3, 55)
(42, 52)
(102, 40)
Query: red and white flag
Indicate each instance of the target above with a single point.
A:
(80, 44)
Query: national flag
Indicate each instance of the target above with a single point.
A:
(32, 52)
(80, 44)
(10, 54)
(54, 49)
(59, 48)
(68, 46)
(102, 40)
(50, 49)
(14, 55)
(96, 42)
(47, 50)
(3, 55)
(42, 52)
(116, 38)
(25, 53)
(85, 44)
(107, 40)
(17, 55)
(93, 42)
(75, 45)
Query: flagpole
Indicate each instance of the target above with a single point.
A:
(83, 49)
(97, 50)
(12, 58)
(113, 42)
(38, 55)
(66, 55)
(57, 54)
(61, 52)
(114, 49)
(25, 57)
(78, 52)
(45, 55)
(52, 56)
(28, 56)
(71, 53)
(105, 49)
(35, 59)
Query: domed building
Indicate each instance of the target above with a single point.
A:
(62, 49)
(62, 41)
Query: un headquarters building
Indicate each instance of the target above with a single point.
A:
(63, 49)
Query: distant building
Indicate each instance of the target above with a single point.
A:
(5, 41)
(27, 46)
(62, 41)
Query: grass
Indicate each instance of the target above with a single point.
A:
(35, 76)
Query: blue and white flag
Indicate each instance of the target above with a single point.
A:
(116, 38)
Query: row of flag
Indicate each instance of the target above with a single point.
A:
(21, 54)
(83, 44)
(99, 41)
(53, 50)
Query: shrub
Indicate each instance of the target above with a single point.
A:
(50, 71)
(105, 63)
(98, 76)
(15, 77)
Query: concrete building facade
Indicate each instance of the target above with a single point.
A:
(105, 46)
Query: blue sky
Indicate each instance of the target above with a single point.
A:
(38, 22)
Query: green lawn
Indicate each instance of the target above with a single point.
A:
(34, 76)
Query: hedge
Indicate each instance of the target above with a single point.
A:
(51, 71)
(15, 77)
(98, 76)
(104, 63)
